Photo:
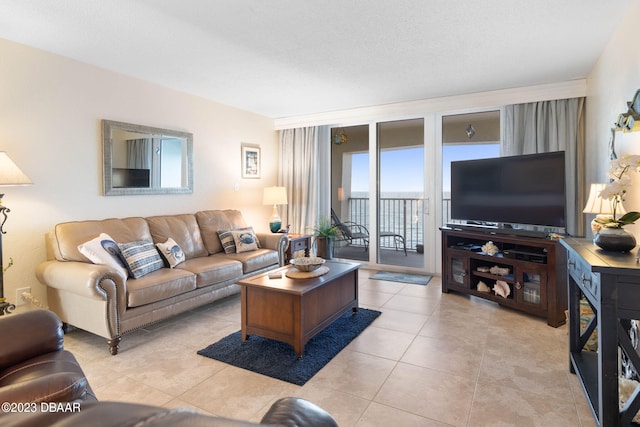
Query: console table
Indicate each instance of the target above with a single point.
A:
(611, 283)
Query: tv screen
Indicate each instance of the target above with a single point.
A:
(527, 189)
(125, 178)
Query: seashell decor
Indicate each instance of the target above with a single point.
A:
(501, 288)
(499, 271)
(482, 287)
(490, 249)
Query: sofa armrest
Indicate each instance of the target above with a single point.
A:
(91, 281)
(55, 387)
(277, 241)
(30, 334)
(294, 411)
(81, 278)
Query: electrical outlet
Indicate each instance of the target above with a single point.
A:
(19, 299)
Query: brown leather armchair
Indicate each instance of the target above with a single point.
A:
(43, 384)
(34, 367)
(286, 412)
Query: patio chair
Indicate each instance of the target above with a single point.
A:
(398, 239)
(350, 231)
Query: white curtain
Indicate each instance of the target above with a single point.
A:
(558, 125)
(139, 153)
(299, 174)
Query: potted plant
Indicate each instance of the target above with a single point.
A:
(324, 233)
(612, 236)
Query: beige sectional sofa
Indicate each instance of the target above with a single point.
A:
(104, 299)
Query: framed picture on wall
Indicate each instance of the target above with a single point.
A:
(250, 161)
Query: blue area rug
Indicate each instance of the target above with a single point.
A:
(278, 360)
(414, 279)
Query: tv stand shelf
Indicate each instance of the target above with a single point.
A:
(533, 269)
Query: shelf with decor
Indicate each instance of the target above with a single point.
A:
(524, 273)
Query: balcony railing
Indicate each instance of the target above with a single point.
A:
(397, 215)
(401, 216)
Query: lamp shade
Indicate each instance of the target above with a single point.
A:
(275, 196)
(10, 174)
(598, 205)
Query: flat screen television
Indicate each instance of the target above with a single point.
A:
(507, 191)
(126, 178)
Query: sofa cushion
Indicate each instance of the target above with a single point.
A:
(245, 239)
(171, 252)
(212, 269)
(68, 236)
(255, 260)
(211, 221)
(95, 251)
(158, 286)
(142, 258)
(235, 218)
(183, 229)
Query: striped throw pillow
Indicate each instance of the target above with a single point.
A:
(142, 258)
(228, 244)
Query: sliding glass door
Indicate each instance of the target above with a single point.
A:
(350, 193)
(378, 195)
(400, 193)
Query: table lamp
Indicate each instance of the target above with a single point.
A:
(275, 196)
(10, 175)
(599, 206)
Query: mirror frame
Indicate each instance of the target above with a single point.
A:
(107, 157)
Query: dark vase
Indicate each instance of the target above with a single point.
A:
(324, 247)
(615, 240)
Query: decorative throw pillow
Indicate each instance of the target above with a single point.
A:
(95, 251)
(245, 240)
(114, 250)
(142, 258)
(228, 244)
(171, 252)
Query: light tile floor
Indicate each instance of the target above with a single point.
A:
(430, 359)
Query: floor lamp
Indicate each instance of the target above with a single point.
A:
(10, 175)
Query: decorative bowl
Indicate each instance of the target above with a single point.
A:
(307, 264)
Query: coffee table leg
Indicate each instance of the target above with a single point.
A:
(299, 351)
(243, 314)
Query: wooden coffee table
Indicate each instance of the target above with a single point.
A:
(294, 310)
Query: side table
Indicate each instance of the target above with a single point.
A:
(298, 242)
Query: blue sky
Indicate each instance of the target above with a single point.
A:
(402, 170)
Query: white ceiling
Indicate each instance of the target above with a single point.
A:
(284, 58)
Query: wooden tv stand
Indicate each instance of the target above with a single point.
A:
(536, 278)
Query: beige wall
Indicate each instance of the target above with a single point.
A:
(50, 113)
(612, 82)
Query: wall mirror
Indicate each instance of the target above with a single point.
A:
(145, 160)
